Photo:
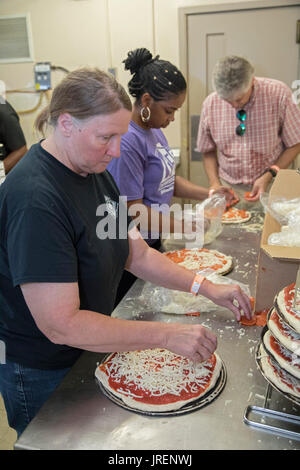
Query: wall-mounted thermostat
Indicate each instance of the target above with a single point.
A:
(42, 75)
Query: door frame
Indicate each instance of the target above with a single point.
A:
(183, 14)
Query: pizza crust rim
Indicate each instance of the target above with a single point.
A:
(286, 342)
(271, 376)
(147, 407)
(284, 364)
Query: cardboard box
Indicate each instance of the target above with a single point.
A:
(286, 184)
(277, 265)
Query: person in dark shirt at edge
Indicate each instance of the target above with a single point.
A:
(12, 138)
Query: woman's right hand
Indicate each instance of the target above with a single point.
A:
(230, 296)
(230, 196)
(195, 342)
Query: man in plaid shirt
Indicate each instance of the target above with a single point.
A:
(249, 129)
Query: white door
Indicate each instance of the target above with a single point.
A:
(266, 37)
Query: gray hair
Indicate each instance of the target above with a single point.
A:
(84, 93)
(231, 75)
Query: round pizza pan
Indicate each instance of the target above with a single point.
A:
(258, 362)
(188, 408)
(283, 318)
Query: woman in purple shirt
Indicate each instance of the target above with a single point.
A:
(145, 171)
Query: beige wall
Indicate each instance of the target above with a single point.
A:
(73, 33)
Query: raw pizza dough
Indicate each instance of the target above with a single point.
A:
(279, 377)
(285, 300)
(157, 380)
(235, 216)
(281, 331)
(197, 259)
(287, 360)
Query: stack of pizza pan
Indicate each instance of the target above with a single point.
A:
(278, 355)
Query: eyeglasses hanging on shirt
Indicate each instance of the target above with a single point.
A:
(241, 128)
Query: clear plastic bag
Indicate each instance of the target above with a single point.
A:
(289, 236)
(294, 217)
(203, 224)
(172, 301)
(281, 208)
(287, 213)
(214, 208)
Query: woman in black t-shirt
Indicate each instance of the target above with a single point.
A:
(64, 246)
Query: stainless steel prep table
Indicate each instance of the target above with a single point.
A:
(79, 416)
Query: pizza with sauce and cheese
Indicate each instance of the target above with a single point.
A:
(278, 376)
(157, 380)
(282, 332)
(196, 259)
(284, 302)
(286, 359)
(233, 215)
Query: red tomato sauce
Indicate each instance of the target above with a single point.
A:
(289, 294)
(146, 397)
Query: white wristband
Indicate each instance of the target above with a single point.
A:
(2, 172)
(198, 279)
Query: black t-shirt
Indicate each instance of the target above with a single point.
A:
(51, 224)
(11, 134)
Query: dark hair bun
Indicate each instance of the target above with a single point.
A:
(137, 59)
(152, 75)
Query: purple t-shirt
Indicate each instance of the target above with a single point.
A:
(146, 167)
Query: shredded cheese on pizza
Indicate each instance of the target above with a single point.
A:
(289, 356)
(192, 261)
(288, 331)
(285, 377)
(157, 372)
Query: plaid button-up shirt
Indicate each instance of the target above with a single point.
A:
(272, 125)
